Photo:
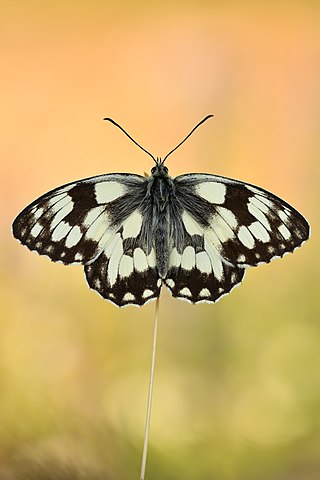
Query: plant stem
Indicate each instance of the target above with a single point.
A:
(147, 427)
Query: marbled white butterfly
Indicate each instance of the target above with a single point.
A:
(195, 233)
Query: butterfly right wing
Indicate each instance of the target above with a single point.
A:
(221, 226)
(247, 224)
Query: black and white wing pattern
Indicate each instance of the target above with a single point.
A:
(196, 233)
(98, 222)
(221, 226)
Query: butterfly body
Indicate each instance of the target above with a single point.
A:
(196, 233)
(161, 197)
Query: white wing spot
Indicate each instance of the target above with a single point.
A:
(203, 262)
(190, 224)
(37, 214)
(36, 229)
(170, 282)
(159, 282)
(228, 216)
(132, 225)
(60, 231)
(114, 250)
(264, 200)
(259, 215)
(125, 266)
(78, 257)
(221, 228)
(205, 293)
(212, 191)
(61, 214)
(151, 259)
(108, 191)
(241, 258)
(74, 236)
(188, 258)
(233, 277)
(140, 260)
(128, 297)
(245, 237)
(283, 215)
(256, 201)
(285, 232)
(92, 215)
(259, 232)
(56, 199)
(175, 258)
(99, 229)
(147, 293)
(186, 292)
(215, 259)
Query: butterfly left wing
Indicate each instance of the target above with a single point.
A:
(100, 222)
(220, 227)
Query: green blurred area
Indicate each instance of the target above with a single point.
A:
(237, 388)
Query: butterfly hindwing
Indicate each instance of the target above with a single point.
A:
(198, 273)
(125, 272)
(124, 277)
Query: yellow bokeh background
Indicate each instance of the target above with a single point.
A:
(237, 385)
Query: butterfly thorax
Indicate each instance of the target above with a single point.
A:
(161, 190)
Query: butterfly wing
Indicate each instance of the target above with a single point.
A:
(223, 226)
(97, 222)
(72, 223)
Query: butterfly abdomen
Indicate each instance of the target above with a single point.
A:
(161, 193)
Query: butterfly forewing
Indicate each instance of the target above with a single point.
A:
(72, 223)
(246, 224)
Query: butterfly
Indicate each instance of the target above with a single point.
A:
(196, 233)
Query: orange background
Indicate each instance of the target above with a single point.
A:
(237, 388)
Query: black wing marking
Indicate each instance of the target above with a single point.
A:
(246, 224)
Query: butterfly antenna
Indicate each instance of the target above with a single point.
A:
(129, 136)
(194, 128)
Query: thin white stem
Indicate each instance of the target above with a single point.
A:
(147, 427)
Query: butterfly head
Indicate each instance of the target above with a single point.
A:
(160, 170)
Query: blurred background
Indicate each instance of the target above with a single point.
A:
(237, 384)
